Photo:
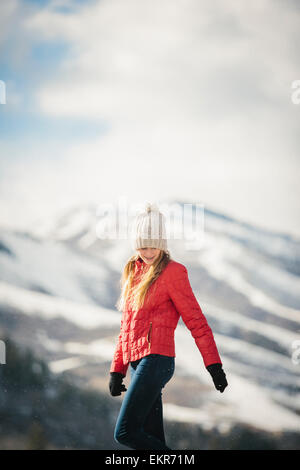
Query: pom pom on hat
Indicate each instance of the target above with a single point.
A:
(150, 207)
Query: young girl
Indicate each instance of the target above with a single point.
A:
(155, 292)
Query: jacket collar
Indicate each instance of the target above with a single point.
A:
(139, 263)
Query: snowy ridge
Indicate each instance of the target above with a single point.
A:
(83, 315)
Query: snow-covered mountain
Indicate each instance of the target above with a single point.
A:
(59, 284)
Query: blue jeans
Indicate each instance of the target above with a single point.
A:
(140, 421)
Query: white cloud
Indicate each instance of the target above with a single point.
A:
(135, 60)
(196, 96)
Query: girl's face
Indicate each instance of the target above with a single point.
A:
(149, 255)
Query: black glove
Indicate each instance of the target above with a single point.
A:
(218, 376)
(115, 384)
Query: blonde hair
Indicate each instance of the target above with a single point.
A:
(133, 292)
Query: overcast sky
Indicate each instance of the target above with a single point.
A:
(152, 100)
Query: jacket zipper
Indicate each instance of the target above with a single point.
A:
(149, 334)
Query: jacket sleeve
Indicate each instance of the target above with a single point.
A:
(182, 296)
(117, 364)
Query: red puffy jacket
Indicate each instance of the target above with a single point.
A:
(151, 329)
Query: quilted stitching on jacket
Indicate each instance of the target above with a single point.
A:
(170, 296)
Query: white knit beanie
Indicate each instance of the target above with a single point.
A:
(149, 229)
